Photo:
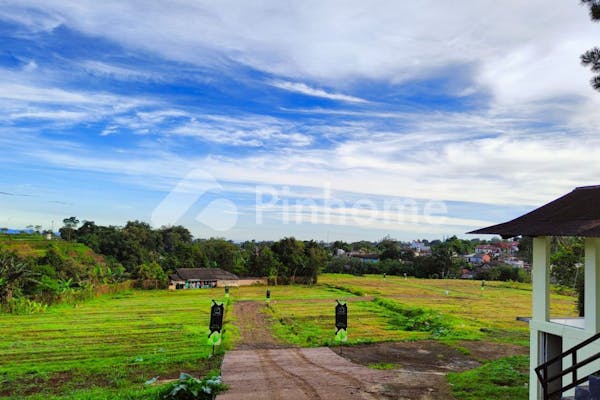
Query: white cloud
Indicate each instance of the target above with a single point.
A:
(530, 138)
(251, 131)
(116, 71)
(307, 90)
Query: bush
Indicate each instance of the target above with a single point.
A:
(416, 319)
(23, 306)
(190, 388)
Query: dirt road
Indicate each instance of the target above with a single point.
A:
(263, 368)
(298, 374)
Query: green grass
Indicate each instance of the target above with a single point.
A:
(111, 343)
(31, 245)
(108, 347)
(504, 379)
(383, 366)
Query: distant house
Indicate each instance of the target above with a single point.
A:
(363, 256)
(466, 273)
(198, 278)
(478, 259)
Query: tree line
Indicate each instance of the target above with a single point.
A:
(149, 253)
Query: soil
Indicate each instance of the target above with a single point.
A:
(253, 326)
(261, 367)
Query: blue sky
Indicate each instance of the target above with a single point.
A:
(326, 119)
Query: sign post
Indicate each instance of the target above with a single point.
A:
(341, 323)
(268, 296)
(216, 324)
(226, 292)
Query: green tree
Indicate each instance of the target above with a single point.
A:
(223, 254)
(339, 244)
(66, 232)
(390, 249)
(316, 259)
(526, 249)
(152, 271)
(14, 273)
(292, 258)
(266, 264)
(567, 256)
(591, 57)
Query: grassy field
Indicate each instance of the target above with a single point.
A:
(410, 309)
(108, 347)
(111, 344)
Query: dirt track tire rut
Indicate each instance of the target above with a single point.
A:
(308, 389)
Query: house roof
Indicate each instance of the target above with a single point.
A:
(174, 277)
(204, 274)
(574, 214)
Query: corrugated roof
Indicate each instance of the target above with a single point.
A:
(205, 274)
(574, 214)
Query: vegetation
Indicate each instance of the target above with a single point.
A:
(382, 309)
(137, 244)
(506, 378)
(108, 347)
(190, 388)
(35, 272)
(591, 57)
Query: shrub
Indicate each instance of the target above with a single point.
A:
(416, 319)
(190, 388)
(23, 306)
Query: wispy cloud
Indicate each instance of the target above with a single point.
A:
(117, 71)
(302, 88)
(15, 194)
(423, 103)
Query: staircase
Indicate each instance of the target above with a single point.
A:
(591, 392)
(588, 392)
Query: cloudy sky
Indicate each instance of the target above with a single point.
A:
(318, 119)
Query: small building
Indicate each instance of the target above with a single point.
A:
(364, 257)
(199, 278)
(564, 351)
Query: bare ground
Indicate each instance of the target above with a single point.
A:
(261, 367)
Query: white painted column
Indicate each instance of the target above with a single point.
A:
(592, 285)
(534, 357)
(541, 307)
(541, 278)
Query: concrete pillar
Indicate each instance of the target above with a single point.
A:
(534, 361)
(541, 308)
(541, 278)
(592, 285)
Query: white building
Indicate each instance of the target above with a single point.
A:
(563, 351)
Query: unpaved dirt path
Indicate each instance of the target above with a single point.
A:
(299, 374)
(261, 367)
(254, 331)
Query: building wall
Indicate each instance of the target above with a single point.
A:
(242, 282)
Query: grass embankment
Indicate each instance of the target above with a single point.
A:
(33, 245)
(108, 347)
(504, 379)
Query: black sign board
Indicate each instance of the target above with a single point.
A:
(341, 316)
(216, 317)
(268, 294)
(226, 289)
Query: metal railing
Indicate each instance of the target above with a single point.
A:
(545, 380)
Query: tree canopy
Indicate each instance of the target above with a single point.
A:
(591, 57)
